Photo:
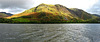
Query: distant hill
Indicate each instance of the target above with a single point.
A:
(96, 15)
(48, 12)
(7, 13)
(4, 14)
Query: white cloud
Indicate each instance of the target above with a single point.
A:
(15, 6)
(4, 10)
(81, 4)
(21, 5)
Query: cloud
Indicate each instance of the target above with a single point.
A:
(95, 9)
(17, 10)
(13, 11)
(81, 4)
(15, 4)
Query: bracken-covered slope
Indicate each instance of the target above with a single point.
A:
(50, 12)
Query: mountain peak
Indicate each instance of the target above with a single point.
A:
(59, 5)
(2, 12)
(42, 4)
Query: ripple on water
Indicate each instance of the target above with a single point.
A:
(55, 33)
(49, 33)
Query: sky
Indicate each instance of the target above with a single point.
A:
(18, 6)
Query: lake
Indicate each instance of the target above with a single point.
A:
(49, 32)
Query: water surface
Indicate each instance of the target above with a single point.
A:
(49, 32)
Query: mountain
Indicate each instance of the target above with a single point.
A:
(9, 14)
(4, 14)
(48, 12)
(96, 15)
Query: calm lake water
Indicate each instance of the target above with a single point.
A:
(49, 32)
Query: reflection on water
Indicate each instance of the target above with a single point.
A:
(93, 32)
(48, 33)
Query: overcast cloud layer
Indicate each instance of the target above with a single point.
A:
(95, 9)
(17, 6)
